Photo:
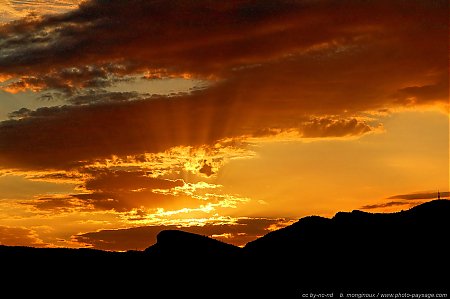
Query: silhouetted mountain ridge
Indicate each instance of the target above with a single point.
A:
(375, 240)
(351, 250)
(177, 244)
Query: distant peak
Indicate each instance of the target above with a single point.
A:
(177, 235)
(181, 243)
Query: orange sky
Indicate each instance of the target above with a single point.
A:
(120, 119)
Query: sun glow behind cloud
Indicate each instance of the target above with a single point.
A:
(117, 125)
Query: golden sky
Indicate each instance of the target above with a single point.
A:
(119, 119)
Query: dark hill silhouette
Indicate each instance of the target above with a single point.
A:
(179, 245)
(357, 251)
(397, 250)
(428, 221)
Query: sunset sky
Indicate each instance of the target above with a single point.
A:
(119, 119)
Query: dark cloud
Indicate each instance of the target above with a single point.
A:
(119, 201)
(57, 204)
(422, 94)
(159, 33)
(308, 66)
(19, 236)
(65, 81)
(121, 191)
(131, 180)
(206, 168)
(122, 201)
(124, 191)
(103, 38)
(421, 195)
(139, 238)
(331, 128)
(69, 177)
(93, 97)
(84, 133)
(22, 112)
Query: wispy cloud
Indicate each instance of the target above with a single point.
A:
(420, 195)
(409, 200)
(388, 205)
